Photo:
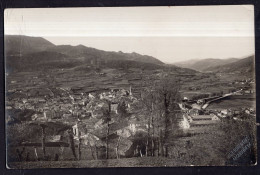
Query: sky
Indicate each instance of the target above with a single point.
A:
(171, 34)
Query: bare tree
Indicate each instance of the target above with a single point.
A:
(107, 120)
(96, 150)
(20, 153)
(152, 105)
(67, 129)
(43, 139)
(146, 102)
(36, 154)
(117, 148)
(72, 144)
(168, 90)
(92, 151)
(79, 146)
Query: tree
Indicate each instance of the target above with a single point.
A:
(107, 113)
(122, 108)
(43, 130)
(67, 129)
(159, 101)
(147, 98)
(79, 146)
(20, 154)
(168, 90)
(117, 147)
(43, 139)
(151, 102)
(71, 143)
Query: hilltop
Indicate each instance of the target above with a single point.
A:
(21, 45)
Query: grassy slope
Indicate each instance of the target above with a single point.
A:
(233, 104)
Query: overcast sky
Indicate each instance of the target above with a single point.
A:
(170, 34)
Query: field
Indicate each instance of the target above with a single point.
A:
(235, 102)
(84, 81)
(89, 80)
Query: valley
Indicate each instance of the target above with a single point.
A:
(74, 104)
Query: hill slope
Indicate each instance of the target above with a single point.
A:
(205, 64)
(245, 65)
(21, 45)
(88, 53)
(187, 63)
(38, 61)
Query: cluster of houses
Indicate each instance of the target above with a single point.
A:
(234, 112)
(244, 81)
(58, 103)
(93, 130)
(195, 123)
(84, 112)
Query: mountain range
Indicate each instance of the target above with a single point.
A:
(25, 53)
(229, 65)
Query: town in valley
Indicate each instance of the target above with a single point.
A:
(67, 104)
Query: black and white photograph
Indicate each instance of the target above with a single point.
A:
(150, 86)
